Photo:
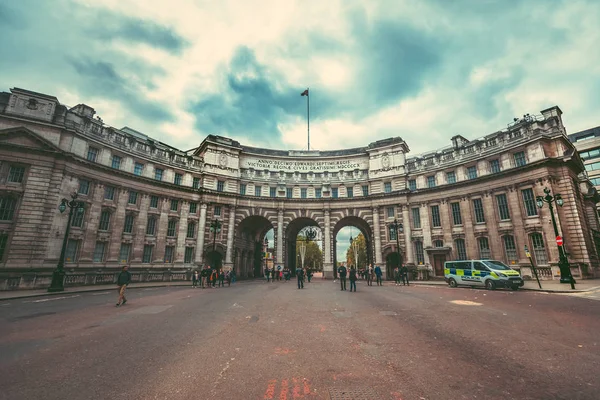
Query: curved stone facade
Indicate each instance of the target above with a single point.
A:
(152, 206)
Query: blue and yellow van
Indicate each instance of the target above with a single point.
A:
(486, 273)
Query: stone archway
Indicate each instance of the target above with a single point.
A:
(291, 233)
(250, 235)
(363, 227)
(215, 255)
(392, 260)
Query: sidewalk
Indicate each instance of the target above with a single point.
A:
(581, 286)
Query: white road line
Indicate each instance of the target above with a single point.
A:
(50, 299)
(98, 294)
(5, 304)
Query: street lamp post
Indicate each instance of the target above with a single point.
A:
(398, 229)
(215, 227)
(58, 275)
(354, 246)
(563, 263)
(266, 250)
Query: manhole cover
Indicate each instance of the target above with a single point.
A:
(364, 393)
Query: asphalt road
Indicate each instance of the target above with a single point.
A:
(255, 340)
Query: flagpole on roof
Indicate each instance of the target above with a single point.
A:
(305, 93)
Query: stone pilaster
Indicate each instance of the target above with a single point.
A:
(377, 234)
(280, 237)
(139, 231)
(93, 208)
(328, 264)
(161, 231)
(200, 237)
(184, 211)
(230, 232)
(117, 219)
(426, 225)
(410, 258)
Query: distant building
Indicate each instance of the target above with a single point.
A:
(587, 143)
(155, 207)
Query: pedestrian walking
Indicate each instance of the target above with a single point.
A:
(233, 275)
(378, 274)
(267, 274)
(342, 274)
(195, 277)
(370, 275)
(397, 276)
(287, 274)
(309, 274)
(404, 275)
(300, 276)
(221, 278)
(122, 281)
(204, 276)
(353, 278)
(213, 277)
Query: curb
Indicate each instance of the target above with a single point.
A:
(528, 289)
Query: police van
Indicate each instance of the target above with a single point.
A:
(486, 273)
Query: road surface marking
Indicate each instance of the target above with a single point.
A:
(465, 303)
(270, 389)
(98, 294)
(50, 299)
(5, 304)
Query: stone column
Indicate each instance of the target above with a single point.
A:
(141, 220)
(377, 236)
(327, 262)
(161, 231)
(230, 232)
(426, 225)
(200, 237)
(280, 237)
(182, 232)
(410, 259)
(91, 220)
(116, 226)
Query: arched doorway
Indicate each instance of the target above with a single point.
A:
(250, 242)
(214, 257)
(349, 226)
(393, 259)
(295, 235)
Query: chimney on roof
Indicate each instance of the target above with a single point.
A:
(458, 141)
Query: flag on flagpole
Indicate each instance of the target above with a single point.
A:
(305, 93)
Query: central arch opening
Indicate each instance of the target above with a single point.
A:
(304, 245)
(352, 243)
(254, 247)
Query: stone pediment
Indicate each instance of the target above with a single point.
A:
(23, 137)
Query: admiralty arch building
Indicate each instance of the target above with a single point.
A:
(152, 206)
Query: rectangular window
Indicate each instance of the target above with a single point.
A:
(436, 221)
(99, 252)
(289, 192)
(153, 201)
(84, 187)
(451, 177)
(116, 162)
(16, 174)
(189, 255)
(503, 207)
(391, 212)
(365, 190)
(419, 253)
(539, 251)
(478, 208)
(257, 190)
(510, 250)
(220, 186)
(92, 154)
(412, 184)
(191, 230)
(334, 193)
(349, 192)
(77, 220)
(438, 243)
(169, 250)
(171, 228)
(132, 197)
(109, 193)
(592, 153)
(456, 216)
(461, 250)
(592, 167)
(318, 193)
(178, 179)
(416, 216)
(128, 227)
(484, 249)
(71, 253)
(174, 205)
(138, 169)
(495, 166)
(243, 189)
(196, 183)
(217, 211)
(147, 255)
(529, 202)
(387, 187)
(431, 181)
(151, 226)
(158, 174)
(520, 159)
(392, 232)
(124, 253)
(272, 192)
(472, 172)
(7, 208)
(303, 193)
(3, 245)
(104, 223)
(193, 208)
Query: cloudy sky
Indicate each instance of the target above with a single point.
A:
(422, 70)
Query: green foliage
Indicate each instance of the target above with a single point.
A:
(313, 256)
(362, 253)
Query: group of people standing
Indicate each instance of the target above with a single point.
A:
(272, 274)
(212, 277)
(368, 274)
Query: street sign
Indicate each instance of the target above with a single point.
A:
(527, 253)
(559, 241)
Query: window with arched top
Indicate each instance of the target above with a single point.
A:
(461, 249)
(484, 248)
(539, 250)
(510, 249)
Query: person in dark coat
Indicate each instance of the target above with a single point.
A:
(404, 275)
(353, 278)
(300, 276)
(195, 277)
(378, 274)
(122, 281)
(342, 275)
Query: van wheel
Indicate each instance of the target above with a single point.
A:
(514, 287)
(452, 282)
(490, 285)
